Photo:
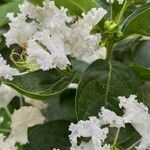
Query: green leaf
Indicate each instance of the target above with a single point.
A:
(6, 8)
(143, 72)
(78, 65)
(40, 84)
(124, 50)
(138, 22)
(5, 125)
(127, 136)
(142, 53)
(36, 2)
(76, 7)
(48, 136)
(61, 107)
(101, 84)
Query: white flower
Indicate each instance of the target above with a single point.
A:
(6, 95)
(48, 38)
(39, 104)
(99, 54)
(54, 47)
(112, 1)
(137, 114)
(83, 45)
(6, 71)
(6, 144)
(42, 58)
(89, 128)
(22, 119)
(109, 117)
(20, 30)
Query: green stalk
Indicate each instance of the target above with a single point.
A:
(110, 44)
(116, 137)
(121, 14)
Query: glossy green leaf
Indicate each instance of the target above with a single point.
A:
(5, 125)
(79, 65)
(101, 84)
(142, 53)
(143, 72)
(138, 22)
(61, 107)
(124, 50)
(127, 136)
(40, 84)
(6, 8)
(48, 136)
(76, 7)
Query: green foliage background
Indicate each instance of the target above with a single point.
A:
(99, 85)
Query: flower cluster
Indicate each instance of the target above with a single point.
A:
(21, 119)
(94, 128)
(6, 71)
(49, 35)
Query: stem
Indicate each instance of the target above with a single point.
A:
(8, 113)
(5, 130)
(110, 7)
(21, 101)
(119, 18)
(116, 137)
(133, 145)
(110, 44)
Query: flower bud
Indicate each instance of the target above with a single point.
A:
(110, 26)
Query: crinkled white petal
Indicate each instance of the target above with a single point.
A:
(136, 113)
(20, 30)
(51, 27)
(109, 117)
(83, 45)
(22, 119)
(6, 95)
(6, 144)
(42, 58)
(39, 104)
(99, 54)
(6, 71)
(89, 128)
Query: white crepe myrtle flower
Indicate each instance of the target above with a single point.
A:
(7, 143)
(136, 113)
(22, 119)
(89, 128)
(112, 1)
(6, 95)
(6, 71)
(84, 45)
(109, 117)
(49, 36)
(15, 35)
(39, 104)
(89, 58)
(53, 46)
